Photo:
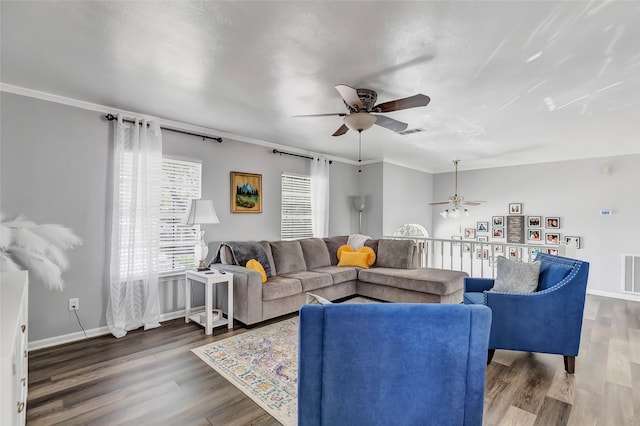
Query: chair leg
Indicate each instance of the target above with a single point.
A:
(490, 354)
(570, 364)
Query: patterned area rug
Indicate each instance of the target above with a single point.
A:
(263, 363)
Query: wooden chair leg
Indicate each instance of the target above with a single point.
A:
(490, 354)
(570, 364)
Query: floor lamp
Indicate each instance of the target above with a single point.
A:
(359, 203)
(201, 212)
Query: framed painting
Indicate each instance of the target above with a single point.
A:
(552, 238)
(470, 233)
(498, 232)
(515, 208)
(483, 239)
(534, 221)
(497, 220)
(246, 192)
(483, 227)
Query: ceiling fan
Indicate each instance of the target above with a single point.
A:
(456, 200)
(362, 113)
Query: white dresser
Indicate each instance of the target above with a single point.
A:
(14, 297)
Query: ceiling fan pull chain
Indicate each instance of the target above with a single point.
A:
(359, 151)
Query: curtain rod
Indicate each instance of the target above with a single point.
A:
(275, 151)
(111, 117)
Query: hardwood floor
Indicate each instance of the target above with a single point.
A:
(152, 378)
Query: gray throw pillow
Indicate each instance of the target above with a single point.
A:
(314, 299)
(516, 277)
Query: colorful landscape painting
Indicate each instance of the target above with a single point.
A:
(246, 192)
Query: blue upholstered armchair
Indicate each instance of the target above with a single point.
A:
(384, 364)
(548, 320)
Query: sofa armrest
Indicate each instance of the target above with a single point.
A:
(477, 285)
(247, 293)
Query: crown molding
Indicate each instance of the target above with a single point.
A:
(169, 124)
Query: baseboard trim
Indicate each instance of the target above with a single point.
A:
(94, 332)
(622, 296)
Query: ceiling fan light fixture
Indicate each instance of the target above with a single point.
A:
(360, 121)
(444, 213)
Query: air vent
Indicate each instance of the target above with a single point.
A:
(411, 131)
(631, 271)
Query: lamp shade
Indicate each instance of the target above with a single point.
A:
(360, 121)
(359, 202)
(200, 212)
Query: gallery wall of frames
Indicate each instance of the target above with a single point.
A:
(517, 228)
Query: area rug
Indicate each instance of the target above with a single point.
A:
(263, 363)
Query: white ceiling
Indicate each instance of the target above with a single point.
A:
(510, 82)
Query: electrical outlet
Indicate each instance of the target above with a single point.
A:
(74, 304)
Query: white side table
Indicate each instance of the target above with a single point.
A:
(209, 279)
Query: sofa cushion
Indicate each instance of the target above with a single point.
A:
(333, 244)
(339, 274)
(352, 258)
(371, 255)
(257, 266)
(279, 287)
(316, 254)
(311, 280)
(267, 249)
(395, 254)
(288, 257)
(514, 276)
(426, 280)
(473, 298)
(551, 274)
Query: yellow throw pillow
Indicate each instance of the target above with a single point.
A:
(257, 266)
(354, 259)
(372, 254)
(344, 248)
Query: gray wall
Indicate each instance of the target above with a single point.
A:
(371, 186)
(55, 169)
(407, 194)
(575, 191)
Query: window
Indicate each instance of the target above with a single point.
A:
(181, 182)
(295, 215)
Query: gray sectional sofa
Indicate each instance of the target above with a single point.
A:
(310, 265)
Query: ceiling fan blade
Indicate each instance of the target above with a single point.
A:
(440, 202)
(339, 114)
(473, 203)
(341, 131)
(350, 95)
(390, 123)
(414, 101)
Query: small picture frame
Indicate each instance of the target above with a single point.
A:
(485, 254)
(552, 238)
(552, 251)
(497, 220)
(246, 192)
(534, 235)
(470, 233)
(498, 232)
(513, 252)
(483, 227)
(483, 239)
(534, 251)
(498, 249)
(572, 241)
(466, 247)
(552, 223)
(534, 221)
(457, 239)
(515, 208)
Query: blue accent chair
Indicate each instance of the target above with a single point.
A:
(548, 320)
(392, 363)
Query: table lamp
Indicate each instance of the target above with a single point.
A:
(201, 212)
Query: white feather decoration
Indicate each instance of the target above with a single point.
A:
(38, 248)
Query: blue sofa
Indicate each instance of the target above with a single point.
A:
(548, 320)
(384, 364)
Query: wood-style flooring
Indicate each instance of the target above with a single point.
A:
(152, 378)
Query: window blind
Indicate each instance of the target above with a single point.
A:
(181, 182)
(295, 215)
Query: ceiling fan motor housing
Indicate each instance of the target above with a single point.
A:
(368, 98)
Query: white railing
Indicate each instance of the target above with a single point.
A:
(477, 258)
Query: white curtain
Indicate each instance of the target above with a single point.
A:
(135, 237)
(320, 197)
